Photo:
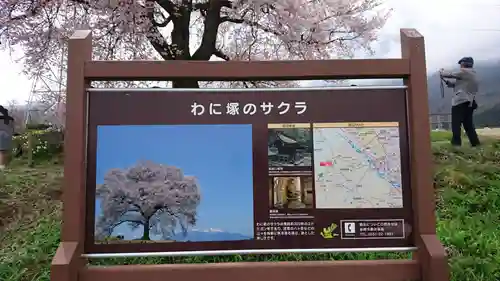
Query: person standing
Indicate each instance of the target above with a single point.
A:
(6, 131)
(465, 87)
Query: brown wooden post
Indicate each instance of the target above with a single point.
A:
(30, 143)
(431, 254)
(67, 262)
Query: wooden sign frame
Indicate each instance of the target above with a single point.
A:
(429, 262)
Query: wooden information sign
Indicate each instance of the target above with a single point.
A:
(248, 171)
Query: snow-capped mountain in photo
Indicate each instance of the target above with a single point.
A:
(212, 234)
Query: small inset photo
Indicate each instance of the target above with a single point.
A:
(291, 192)
(161, 183)
(290, 145)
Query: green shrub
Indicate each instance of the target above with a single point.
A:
(45, 144)
(37, 126)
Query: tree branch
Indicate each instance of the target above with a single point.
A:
(305, 39)
(150, 9)
(35, 8)
(180, 32)
(160, 44)
(155, 37)
(168, 6)
(218, 53)
(204, 6)
(162, 24)
(120, 222)
(211, 28)
(251, 23)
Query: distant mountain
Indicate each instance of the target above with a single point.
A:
(205, 236)
(489, 117)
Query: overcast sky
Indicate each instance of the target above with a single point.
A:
(452, 29)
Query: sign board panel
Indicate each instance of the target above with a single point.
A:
(179, 171)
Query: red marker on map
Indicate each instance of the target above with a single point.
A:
(326, 163)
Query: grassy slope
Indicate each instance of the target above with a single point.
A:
(29, 221)
(468, 182)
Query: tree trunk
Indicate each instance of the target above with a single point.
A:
(185, 84)
(145, 235)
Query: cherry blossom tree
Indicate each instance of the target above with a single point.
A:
(158, 198)
(193, 29)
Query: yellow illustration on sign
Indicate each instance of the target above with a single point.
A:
(328, 232)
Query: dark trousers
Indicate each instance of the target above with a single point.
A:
(462, 115)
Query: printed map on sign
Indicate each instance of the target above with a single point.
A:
(357, 165)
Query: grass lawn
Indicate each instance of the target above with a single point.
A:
(468, 192)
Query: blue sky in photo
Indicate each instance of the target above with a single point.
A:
(220, 156)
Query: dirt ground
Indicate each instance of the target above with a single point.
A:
(490, 132)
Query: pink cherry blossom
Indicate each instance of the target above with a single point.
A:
(192, 29)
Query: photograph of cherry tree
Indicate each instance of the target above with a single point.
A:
(175, 183)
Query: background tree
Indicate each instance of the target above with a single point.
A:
(159, 198)
(192, 29)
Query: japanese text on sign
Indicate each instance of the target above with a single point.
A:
(235, 108)
(272, 230)
(373, 229)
